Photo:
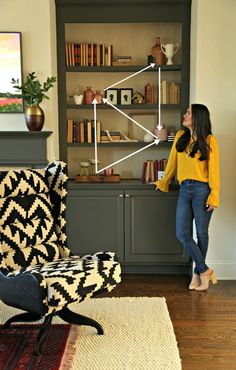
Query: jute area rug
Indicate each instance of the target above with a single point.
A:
(138, 335)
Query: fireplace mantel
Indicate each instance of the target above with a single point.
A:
(24, 148)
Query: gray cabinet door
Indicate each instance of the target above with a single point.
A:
(150, 227)
(95, 221)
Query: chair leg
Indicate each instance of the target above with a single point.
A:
(27, 317)
(23, 317)
(42, 334)
(77, 319)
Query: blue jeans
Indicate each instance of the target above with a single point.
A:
(192, 205)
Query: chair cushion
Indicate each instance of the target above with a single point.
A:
(73, 279)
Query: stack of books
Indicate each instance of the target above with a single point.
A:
(123, 59)
(171, 137)
(114, 135)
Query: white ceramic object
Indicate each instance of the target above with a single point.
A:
(93, 161)
(169, 50)
(84, 164)
(148, 138)
(78, 99)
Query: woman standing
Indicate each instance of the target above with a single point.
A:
(195, 156)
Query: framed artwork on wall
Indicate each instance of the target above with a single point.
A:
(112, 95)
(126, 96)
(10, 67)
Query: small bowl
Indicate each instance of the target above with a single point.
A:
(84, 164)
(108, 172)
(93, 161)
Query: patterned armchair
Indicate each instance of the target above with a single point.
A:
(38, 273)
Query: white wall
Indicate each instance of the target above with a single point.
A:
(213, 82)
(36, 21)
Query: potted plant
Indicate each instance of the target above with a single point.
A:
(33, 92)
(78, 96)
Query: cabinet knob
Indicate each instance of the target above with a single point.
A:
(121, 196)
(127, 195)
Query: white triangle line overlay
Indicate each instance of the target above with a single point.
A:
(129, 155)
(152, 65)
(156, 140)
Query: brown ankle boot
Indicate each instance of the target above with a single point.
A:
(205, 279)
(195, 282)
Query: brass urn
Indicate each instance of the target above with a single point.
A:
(34, 118)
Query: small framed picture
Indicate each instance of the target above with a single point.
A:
(126, 96)
(112, 95)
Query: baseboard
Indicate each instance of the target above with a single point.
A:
(225, 270)
(155, 269)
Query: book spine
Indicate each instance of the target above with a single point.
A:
(148, 93)
(89, 132)
(69, 131)
(81, 125)
(143, 172)
(147, 171)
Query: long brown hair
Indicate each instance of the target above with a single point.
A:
(201, 129)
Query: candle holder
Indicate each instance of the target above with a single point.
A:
(92, 168)
(84, 168)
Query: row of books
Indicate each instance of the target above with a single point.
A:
(151, 168)
(170, 93)
(88, 55)
(83, 131)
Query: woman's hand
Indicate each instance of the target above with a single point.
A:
(153, 183)
(210, 207)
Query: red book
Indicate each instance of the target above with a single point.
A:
(95, 54)
(148, 93)
(155, 170)
(89, 55)
(143, 171)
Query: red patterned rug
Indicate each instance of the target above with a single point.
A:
(17, 346)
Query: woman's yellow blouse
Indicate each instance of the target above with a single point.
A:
(192, 169)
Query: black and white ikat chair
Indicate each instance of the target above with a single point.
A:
(38, 273)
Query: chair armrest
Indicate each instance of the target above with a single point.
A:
(101, 256)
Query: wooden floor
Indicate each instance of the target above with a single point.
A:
(204, 322)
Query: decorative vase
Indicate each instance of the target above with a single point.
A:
(169, 50)
(156, 52)
(34, 118)
(161, 134)
(98, 96)
(88, 96)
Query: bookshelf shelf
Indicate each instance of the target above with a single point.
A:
(122, 107)
(123, 68)
(122, 144)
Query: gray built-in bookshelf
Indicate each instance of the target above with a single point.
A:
(127, 28)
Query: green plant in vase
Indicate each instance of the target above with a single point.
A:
(33, 92)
